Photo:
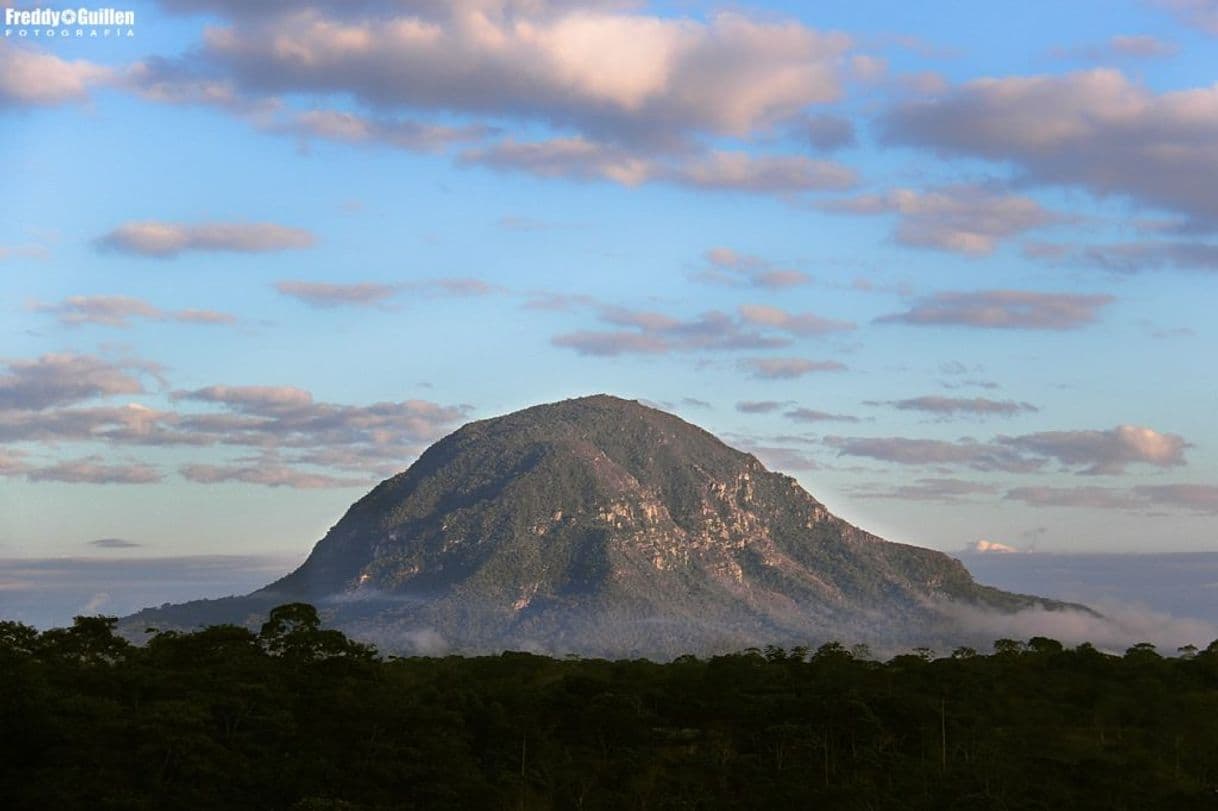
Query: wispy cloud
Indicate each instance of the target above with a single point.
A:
(1087, 452)
(758, 406)
(730, 267)
(961, 219)
(788, 368)
(165, 240)
(1129, 257)
(802, 324)
(1201, 14)
(969, 453)
(114, 543)
(645, 332)
(956, 406)
(579, 158)
(121, 311)
(928, 489)
(329, 295)
(397, 133)
(812, 415)
(268, 475)
(1004, 309)
(94, 471)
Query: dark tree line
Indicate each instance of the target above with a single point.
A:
(300, 717)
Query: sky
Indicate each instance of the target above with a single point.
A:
(953, 266)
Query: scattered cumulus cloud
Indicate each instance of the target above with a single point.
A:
(604, 70)
(1105, 452)
(34, 78)
(963, 219)
(46, 401)
(969, 453)
(794, 323)
(1088, 452)
(1201, 498)
(62, 378)
(1095, 130)
(729, 267)
(1004, 309)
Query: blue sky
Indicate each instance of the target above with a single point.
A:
(953, 266)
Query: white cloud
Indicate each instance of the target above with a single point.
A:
(31, 78)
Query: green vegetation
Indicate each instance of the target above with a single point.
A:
(300, 717)
(606, 528)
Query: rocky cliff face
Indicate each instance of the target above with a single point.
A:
(601, 526)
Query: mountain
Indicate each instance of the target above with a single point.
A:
(600, 526)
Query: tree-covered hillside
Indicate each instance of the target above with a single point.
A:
(297, 717)
(603, 527)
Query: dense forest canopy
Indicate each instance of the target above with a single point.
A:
(300, 717)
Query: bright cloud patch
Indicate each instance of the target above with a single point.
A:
(621, 75)
(31, 78)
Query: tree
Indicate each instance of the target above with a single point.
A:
(1044, 645)
(294, 631)
(90, 640)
